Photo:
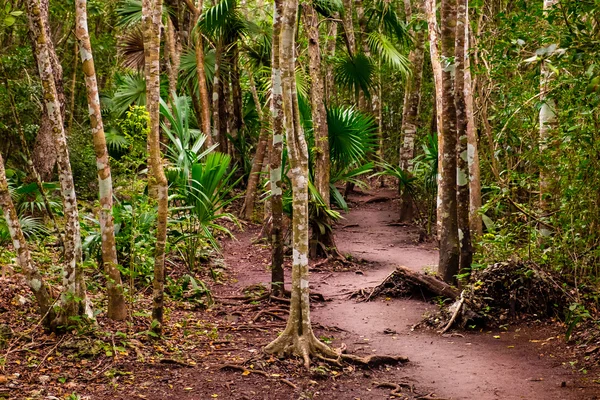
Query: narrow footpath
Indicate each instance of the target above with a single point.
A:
(505, 364)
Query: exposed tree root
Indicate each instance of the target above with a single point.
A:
(305, 346)
(455, 314)
(271, 312)
(410, 394)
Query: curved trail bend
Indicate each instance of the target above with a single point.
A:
(475, 366)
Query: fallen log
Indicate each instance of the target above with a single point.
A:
(428, 284)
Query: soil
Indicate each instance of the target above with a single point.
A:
(520, 361)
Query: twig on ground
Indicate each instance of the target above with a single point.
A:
(458, 308)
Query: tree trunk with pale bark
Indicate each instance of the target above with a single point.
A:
(449, 243)
(151, 19)
(410, 112)
(117, 306)
(32, 275)
(275, 161)
(462, 161)
(475, 220)
(202, 83)
(298, 338)
(436, 64)
(44, 153)
(73, 300)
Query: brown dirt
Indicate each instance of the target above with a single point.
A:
(521, 362)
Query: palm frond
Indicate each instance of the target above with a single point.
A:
(131, 49)
(382, 45)
(129, 13)
(351, 135)
(355, 73)
(328, 8)
(385, 17)
(223, 20)
(189, 69)
(131, 90)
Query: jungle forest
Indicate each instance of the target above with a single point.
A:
(300, 199)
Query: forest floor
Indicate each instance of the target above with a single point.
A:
(216, 353)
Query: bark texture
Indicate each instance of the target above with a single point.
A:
(449, 244)
(462, 162)
(436, 64)
(202, 83)
(73, 299)
(548, 124)
(317, 100)
(410, 112)
(44, 153)
(151, 17)
(259, 157)
(298, 338)
(117, 306)
(277, 276)
(32, 275)
(475, 220)
(348, 25)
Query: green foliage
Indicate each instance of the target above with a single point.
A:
(83, 163)
(351, 136)
(355, 73)
(186, 144)
(33, 228)
(223, 20)
(187, 288)
(131, 90)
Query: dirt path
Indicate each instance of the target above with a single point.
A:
(476, 366)
(501, 364)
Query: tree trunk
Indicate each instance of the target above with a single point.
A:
(348, 25)
(44, 152)
(73, 299)
(548, 124)
(237, 119)
(410, 112)
(117, 306)
(449, 246)
(320, 240)
(298, 338)
(330, 53)
(475, 220)
(32, 275)
(430, 10)
(202, 84)
(462, 163)
(259, 157)
(173, 47)
(277, 275)
(151, 17)
(215, 97)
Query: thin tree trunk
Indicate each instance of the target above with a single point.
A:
(117, 306)
(330, 53)
(462, 163)
(475, 220)
(32, 275)
(215, 97)
(298, 337)
(73, 90)
(173, 47)
(236, 93)
(410, 112)
(151, 16)
(449, 244)
(430, 10)
(320, 240)
(275, 161)
(349, 36)
(44, 152)
(259, 157)
(317, 99)
(547, 125)
(73, 299)
(202, 84)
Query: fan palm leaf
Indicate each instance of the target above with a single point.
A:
(381, 44)
(355, 73)
(351, 135)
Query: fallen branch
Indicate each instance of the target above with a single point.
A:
(271, 313)
(458, 308)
